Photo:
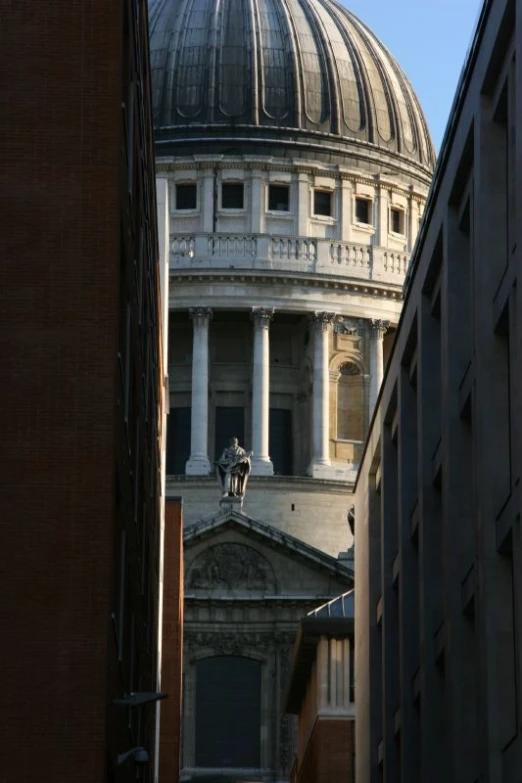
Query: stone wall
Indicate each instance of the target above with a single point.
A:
(311, 510)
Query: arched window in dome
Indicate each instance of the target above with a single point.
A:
(350, 402)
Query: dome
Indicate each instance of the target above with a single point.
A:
(293, 74)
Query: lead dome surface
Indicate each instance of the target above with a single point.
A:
(290, 72)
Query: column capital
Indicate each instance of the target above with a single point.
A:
(323, 321)
(262, 316)
(200, 315)
(378, 327)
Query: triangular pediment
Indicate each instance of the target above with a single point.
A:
(231, 553)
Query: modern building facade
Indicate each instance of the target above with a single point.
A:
(294, 161)
(82, 394)
(438, 540)
(321, 693)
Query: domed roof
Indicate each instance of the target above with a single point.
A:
(258, 67)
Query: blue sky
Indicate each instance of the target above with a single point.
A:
(429, 39)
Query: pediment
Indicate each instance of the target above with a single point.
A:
(233, 554)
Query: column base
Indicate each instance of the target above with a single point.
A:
(231, 504)
(262, 467)
(197, 466)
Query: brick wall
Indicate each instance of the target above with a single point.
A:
(171, 673)
(328, 757)
(67, 490)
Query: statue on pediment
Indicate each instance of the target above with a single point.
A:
(233, 469)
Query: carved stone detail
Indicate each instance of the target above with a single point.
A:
(349, 326)
(323, 321)
(262, 316)
(231, 566)
(227, 642)
(200, 315)
(285, 729)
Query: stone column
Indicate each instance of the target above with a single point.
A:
(322, 325)
(381, 220)
(257, 211)
(378, 329)
(261, 462)
(323, 683)
(207, 201)
(346, 210)
(198, 463)
(303, 204)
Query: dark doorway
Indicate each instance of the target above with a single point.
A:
(178, 440)
(281, 441)
(228, 712)
(230, 423)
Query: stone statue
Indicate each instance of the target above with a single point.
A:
(232, 470)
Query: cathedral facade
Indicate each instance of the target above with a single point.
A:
(293, 163)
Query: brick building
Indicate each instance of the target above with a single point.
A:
(172, 643)
(82, 392)
(321, 694)
(438, 505)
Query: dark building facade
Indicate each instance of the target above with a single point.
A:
(172, 643)
(81, 392)
(438, 552)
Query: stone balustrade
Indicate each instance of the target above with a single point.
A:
(328, 257)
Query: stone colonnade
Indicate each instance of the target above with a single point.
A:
(199, 463)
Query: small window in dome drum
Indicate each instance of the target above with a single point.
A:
(323, 202)
(186, 196)
(397, 221)
(363, 210)
(232, 195)
(278, 198)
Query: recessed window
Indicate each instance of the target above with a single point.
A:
(397, 220)
(232, 195)
(186, 196)
(279, 198)
(363, 211)
(323, 202)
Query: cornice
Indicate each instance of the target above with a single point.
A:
(364, 288)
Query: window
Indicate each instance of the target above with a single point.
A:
(230, 423)
(178, 440)
(228, 712)
(397, 220)
(186, 196)
(280, 439)
(363, 210)
(279, 198)
(323, 202)
(232, 195)
(350, 403)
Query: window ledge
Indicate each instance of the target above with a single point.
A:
(324, 219)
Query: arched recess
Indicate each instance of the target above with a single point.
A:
(350, 401)
(228, 712)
